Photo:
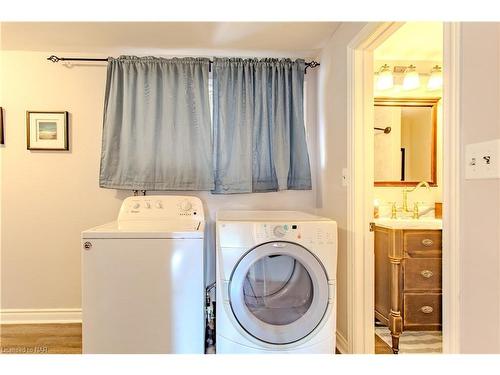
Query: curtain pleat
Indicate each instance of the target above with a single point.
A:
(157, 131)
(259, 133)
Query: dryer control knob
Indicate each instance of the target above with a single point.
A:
(279, 231)
(186, 205)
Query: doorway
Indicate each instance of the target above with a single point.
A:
(361, 190)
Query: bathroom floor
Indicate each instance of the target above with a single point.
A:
(67, 339)
(414, 342)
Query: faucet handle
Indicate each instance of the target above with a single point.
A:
(415, 210)
(394, 210)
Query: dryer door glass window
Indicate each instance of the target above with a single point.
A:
(279, 292)
(278, 289)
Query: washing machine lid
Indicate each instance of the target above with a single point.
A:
(175, 229)
(278, 292)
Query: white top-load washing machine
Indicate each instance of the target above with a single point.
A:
(275, 277)
(143, 278)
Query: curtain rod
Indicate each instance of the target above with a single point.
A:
(312, 64)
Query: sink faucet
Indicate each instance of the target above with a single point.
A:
(406, 191)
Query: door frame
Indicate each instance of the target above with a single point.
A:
(360, 252)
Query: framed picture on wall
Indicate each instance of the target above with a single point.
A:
(47, 130)
(2, 139)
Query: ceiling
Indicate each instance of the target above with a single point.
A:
(414, 41)
(293, 38)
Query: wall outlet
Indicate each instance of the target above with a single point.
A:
(482, 160)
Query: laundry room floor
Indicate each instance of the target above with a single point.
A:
(67, 339)
(41, 338)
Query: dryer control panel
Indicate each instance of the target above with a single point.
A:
(161, 207)
(302, 232)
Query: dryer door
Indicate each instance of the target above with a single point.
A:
(278, 292)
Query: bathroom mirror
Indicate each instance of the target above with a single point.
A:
(405, 141)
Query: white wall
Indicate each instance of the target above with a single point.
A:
(332, 133)
(48, 198)
(480, 199)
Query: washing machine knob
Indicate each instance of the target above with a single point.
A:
(186, 205)
(279, 231)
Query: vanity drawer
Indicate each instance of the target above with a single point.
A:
(422, 310)
(422, 274)
(423, 244)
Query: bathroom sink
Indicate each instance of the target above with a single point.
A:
(407, 223)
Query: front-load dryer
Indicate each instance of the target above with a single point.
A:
(143, 278)
(275, 274)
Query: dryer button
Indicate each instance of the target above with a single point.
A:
(279, 231)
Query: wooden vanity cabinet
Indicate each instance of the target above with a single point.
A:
(408, 290)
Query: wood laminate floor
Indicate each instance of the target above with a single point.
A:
(67, 339)
(41, 338)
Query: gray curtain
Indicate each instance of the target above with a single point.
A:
(259, 134)
(156, 132)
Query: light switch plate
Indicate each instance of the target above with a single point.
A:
(482, 160)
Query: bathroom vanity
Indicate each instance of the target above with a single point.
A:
(408, 265)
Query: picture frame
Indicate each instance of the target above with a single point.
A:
(47, 130)
(2, 138)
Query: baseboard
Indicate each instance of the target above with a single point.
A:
(40, 316)
(342, 345)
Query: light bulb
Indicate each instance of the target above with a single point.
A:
(412, 79)
(385, 80)
(436, 79)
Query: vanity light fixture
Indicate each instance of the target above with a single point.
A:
(385, 79)
(411, 80)
(436, 79)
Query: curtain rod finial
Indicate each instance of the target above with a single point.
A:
(53, 58)
(313, 64)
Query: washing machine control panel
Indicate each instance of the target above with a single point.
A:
(307, 233)
(161, 207)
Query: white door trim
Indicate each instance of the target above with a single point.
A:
(360, 259)
(452, 133)
(360, 296)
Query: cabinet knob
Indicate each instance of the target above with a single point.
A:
(427, 242)
(426, 309)
(427, 273)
